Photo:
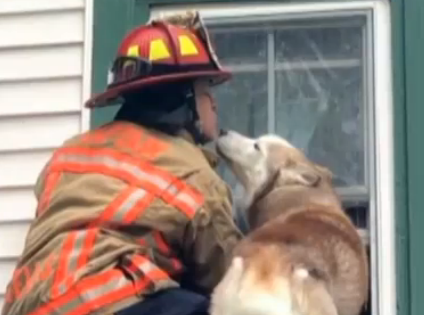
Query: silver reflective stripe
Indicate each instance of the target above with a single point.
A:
(165, 284)
(106, 160)
(71, 266)
(106, 288)
(129, 204)
(68, 307)
(62, 288)
(172, 189)
(147, 267)
(156, 180)
(112, 285)
(188, 200)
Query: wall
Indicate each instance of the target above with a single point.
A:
(45, 57)
(408, 94)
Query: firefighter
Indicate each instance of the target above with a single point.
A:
(131, 217)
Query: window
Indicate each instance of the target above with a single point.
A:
(306, 80)
(318, 75)
(303, 80)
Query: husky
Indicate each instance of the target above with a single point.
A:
(303, 255)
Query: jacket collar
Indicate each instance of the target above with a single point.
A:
(210, 156)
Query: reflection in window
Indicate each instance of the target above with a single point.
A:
(303, 79)
(314, 94)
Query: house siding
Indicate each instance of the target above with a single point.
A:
(45, 58)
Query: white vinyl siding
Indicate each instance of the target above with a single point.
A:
(45, 52)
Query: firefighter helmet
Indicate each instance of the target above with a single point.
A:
(165, 50)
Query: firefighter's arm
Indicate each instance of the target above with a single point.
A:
(210, 238)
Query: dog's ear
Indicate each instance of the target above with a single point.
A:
(299, 175)
(308, 177)
(325, 172)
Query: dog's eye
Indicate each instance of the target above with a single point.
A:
(256, 146)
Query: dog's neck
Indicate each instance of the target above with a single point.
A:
(250, 197)
(274, 201)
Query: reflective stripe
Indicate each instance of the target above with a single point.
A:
(98, 291)
(135, 138)
(119, 202)
(88, 246)
(135, 204)
(61, 271)
(138, 208)
(75, 253)
(155, 239)
(129, 204)
(126, 207)
(71, 263)
(112, 163)
(166, 250)
(112, 284)
(142, 267)
(50, 184)
(78, 245)
(163, 247)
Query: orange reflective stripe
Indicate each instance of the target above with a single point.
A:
(52, 178)
(42, 268)
(61, 271)
(63, 304)
(119, 202)
(142, 204)
(17, 283)
(135, 172)
(87, 247)
(47, 271)
(126, 135)
(75, 253)
(78, 245)
(9, 296)
(153, 146)
(160, 242)
(130, 137)
(155, 239)
(103, 134)
(95, 292)
(143, 267)
(126, 207)
(176, 264)
(26, 276)
(165, 249)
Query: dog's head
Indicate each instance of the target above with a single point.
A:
(269, 160)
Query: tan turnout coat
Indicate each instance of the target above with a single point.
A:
(122, 212)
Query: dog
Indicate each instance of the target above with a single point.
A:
(303, 255)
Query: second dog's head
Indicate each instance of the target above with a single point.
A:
(269, 160)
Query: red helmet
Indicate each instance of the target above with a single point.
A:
(160, 52)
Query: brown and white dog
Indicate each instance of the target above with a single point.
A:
(303, 255)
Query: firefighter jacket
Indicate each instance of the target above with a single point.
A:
(122, 213)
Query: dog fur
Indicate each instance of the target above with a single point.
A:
(303, 255)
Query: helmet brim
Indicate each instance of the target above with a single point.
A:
(113, 94)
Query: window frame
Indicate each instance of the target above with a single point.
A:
(382, 192)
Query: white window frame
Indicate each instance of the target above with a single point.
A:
(382, 225)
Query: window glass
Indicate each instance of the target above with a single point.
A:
(314, 94)
(237, 46)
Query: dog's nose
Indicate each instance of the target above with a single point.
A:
(223, 132)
